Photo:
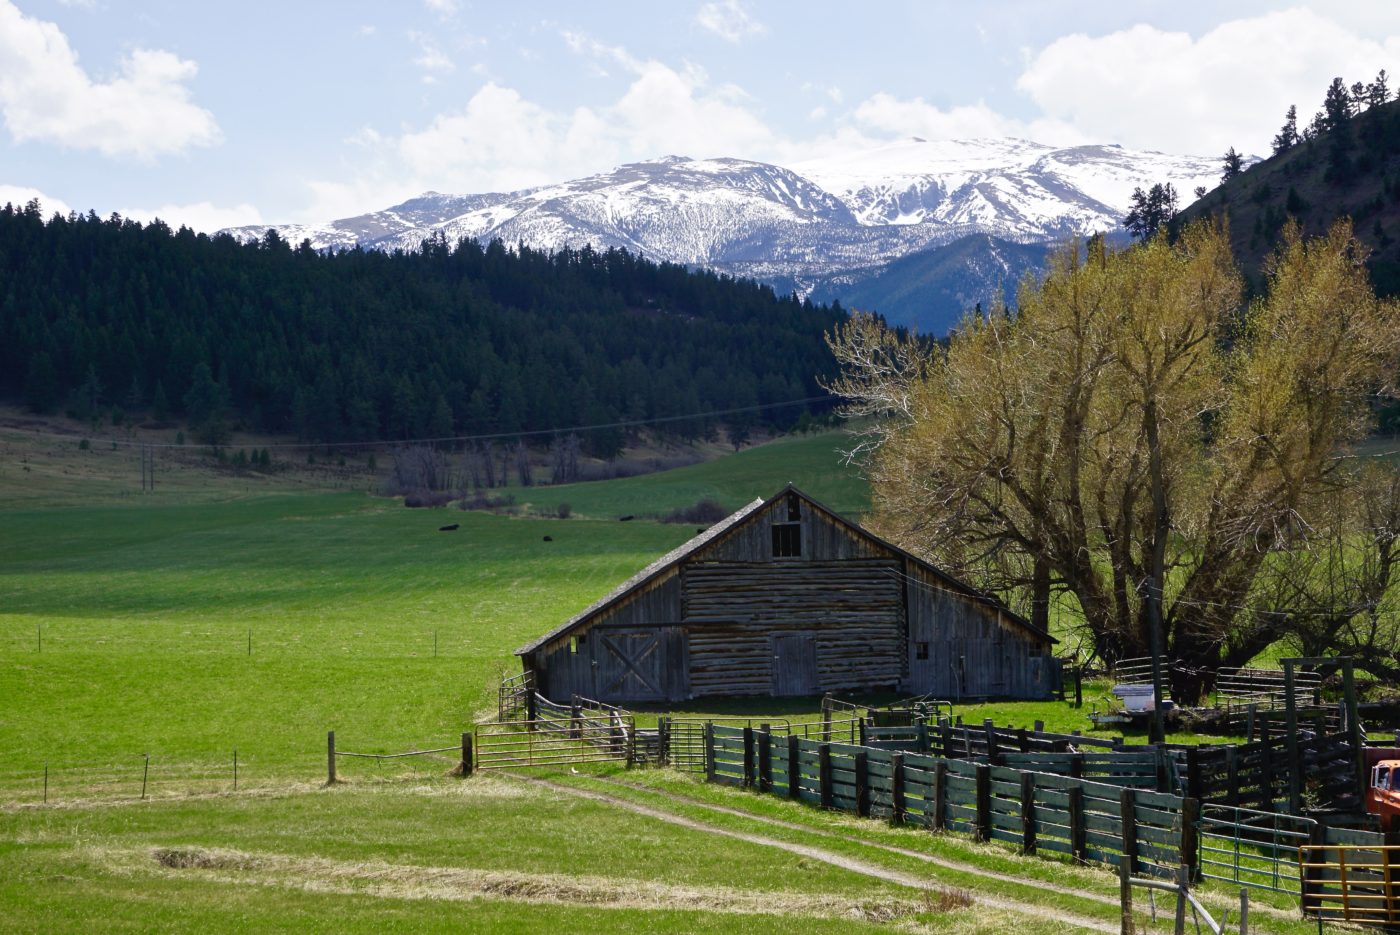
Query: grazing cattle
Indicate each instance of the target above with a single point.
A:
(451, 528)
(548, 538)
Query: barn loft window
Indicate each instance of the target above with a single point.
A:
(573, 645)
(920, 650)
(787, 540)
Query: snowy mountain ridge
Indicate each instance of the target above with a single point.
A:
(816, 223)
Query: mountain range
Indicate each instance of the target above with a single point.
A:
(916, 230)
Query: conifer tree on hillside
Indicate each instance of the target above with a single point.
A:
(1287, 137)
(1233, 165)
(1151, 210)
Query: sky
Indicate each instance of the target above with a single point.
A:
(224, 114)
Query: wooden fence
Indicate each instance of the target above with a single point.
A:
(1079, 817)
(1275, 774)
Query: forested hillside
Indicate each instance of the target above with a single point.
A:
(1345, 162)
(101, 315)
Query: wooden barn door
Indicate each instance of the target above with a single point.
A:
(794, 664)
(643, 664)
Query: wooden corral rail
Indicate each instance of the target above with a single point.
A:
(1266, 687)
(1351, 882)
(1261, 776)
(686, 747)
(555, 742)
(513, 696)
(1035, 811)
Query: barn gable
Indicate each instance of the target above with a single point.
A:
(787, 597)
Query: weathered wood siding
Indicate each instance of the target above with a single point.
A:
(830, 609)
(852, 609)
(973, 649)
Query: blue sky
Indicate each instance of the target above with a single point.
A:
(215, 114)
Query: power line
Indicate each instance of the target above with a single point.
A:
(488, 436)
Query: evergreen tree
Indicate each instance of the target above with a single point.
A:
(41, 390)
(1336, 106)
(1378, 91)
(1232, 163)
(1151, 210)
(1287, 137)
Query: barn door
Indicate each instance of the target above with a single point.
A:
(629, 665)
(641, 664)
(794, 664)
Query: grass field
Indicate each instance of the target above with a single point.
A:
(145, 639)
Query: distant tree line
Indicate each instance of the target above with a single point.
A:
(103, 316)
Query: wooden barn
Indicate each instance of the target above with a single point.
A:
(785, 597)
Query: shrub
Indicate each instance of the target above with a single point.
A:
(703, 512)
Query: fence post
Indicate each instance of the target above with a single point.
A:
(991, 730)
(663, 741)
(794, 768)
(1193, 773)
(709, 751)
(1028, 813)
(1079, 686)
(1078, 839)
(921, 736)
(940, 794)
(764, 739)
(467, 764)
(826, 718)
(330, 757)
(1190, 816)
(1232, 785)
(748, 758)
(1127, 815)
(824, 774)
(1126, 861)
(984, 802)
(897, 788)
(862, 784)
(530, 711)
(1076, 767)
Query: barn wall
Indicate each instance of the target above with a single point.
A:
(852, 610)
(972, 649)
(562, 673)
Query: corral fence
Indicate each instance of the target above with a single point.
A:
(548, 742)
(462, 764)
(1137, 830)
(1355, 882)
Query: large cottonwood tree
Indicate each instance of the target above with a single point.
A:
(1133, 435)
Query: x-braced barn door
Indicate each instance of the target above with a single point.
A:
(794, 664)
(630, 665)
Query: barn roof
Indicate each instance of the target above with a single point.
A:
(674, 557)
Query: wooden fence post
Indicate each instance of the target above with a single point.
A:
(1127, 802)
(921, 737)
(1190, 846)
(826, 718)
(1076, 766)
(1232, 784)
(710, 751)
(794, 768)
(748, 758)
(663, 741)
(330, 757)
(765, 758)
(530, 710)
(1127, 815)
(1079, 686)
(991, 730)
(897, 788)
(1193, 772)
(467, 764)
(1078, 838)
(940, 795)
(1028, 813)
(984, 802)
(824, 774)
(863, 784)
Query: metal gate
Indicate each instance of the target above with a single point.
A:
(687, 737)
(1251, 848)
(556, 742)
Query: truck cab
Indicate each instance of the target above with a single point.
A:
(1383, 794)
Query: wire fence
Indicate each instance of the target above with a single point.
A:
(130, 778)
(237, 641)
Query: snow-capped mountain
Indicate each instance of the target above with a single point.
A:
(817, 225)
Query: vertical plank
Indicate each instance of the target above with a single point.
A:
(1126, 811)
(794, 769)
(330, 757)
(748, 758)
(764, 739)
(940, 795)
(466, 755)
(1078, 839)
(709, 751)
(1190, 844)
(984, 802)
(1232, 780)
(1193, 772)
(897, 808)
(824, 774)
(862, 784)
(1028, 813)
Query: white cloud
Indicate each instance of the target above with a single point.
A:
(368, 30)
(21, 195)
(200, 216)
(443, 8)
(46, 96)
(430, 59)
(888, 116)
(1153, 89)
(729, 20)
